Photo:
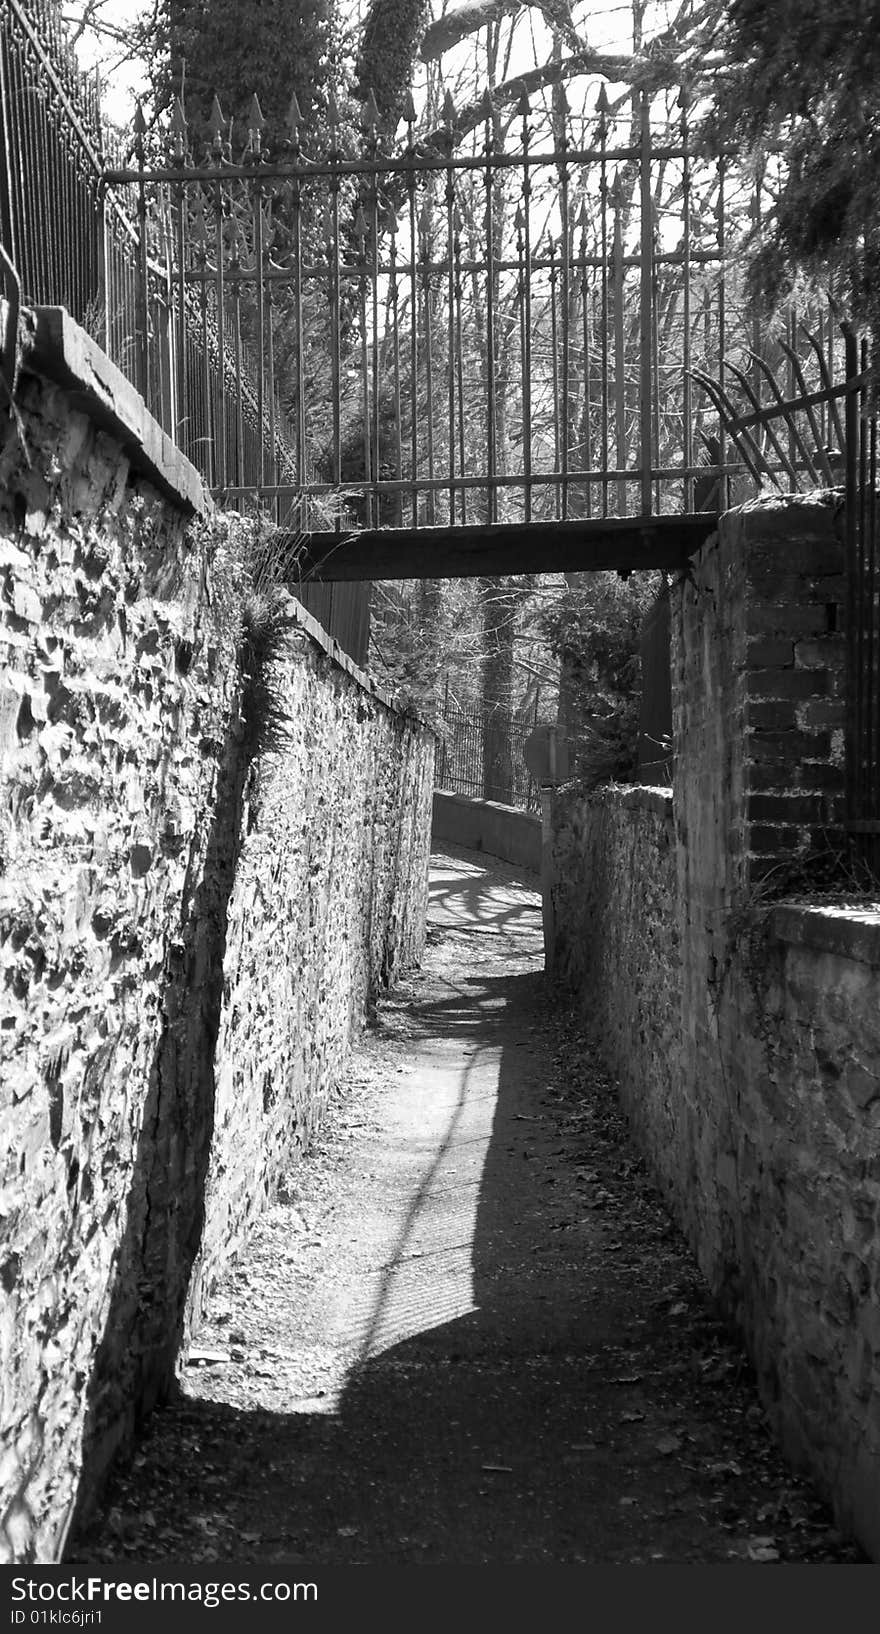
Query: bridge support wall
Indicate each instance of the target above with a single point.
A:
(209, 864)
(744, 1029)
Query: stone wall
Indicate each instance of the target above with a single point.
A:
(203, 878)
(745, 1033)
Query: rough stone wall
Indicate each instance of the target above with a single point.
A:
(191, 918)
(616, 939)
(328, 905)
(745, 1036)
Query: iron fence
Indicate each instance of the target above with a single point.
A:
(472, 326)
(109, 256)
(481, 754)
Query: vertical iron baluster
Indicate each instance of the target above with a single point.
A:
(586, 316)
(565, 255)
(459, 360)
(619, 375)
(874, 745)
(217, 127)
(360, 232)
(449, 139)
(865, 613)
(178, 133)
(334, 271)
(371, 120)
(294, 123)
(274, 472)
(521, 304)
(853, 653)
(409, 114)
(526, 262)
(142, 364)
(687, 402)
(235, 269)
(395, 341)
(602, 110)
(722, 332)
(554, 369)
(492, 507)
(869, 614)
(255, 144)
(425, 232)
(646, 306)
(205, 445)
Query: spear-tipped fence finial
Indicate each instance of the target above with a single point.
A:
(523, 105)
(449, 114)
(294, 117)
(370, 113)
(256, 122)
(217, 125)
(603, 106)
(409, 109)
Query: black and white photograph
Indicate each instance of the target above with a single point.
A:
(439, 807)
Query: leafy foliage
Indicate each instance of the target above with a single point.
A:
(236, 48)
(593, 628)
(805, 76)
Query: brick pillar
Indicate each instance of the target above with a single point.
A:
(795, 652)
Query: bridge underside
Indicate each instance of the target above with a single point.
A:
(624, 544)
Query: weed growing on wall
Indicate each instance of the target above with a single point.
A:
(251, 566)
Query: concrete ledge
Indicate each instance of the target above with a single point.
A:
(852, 933)
(54, 346)
(486, 825)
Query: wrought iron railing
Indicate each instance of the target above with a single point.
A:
(480, 753)
(484, 330)
(108, 256)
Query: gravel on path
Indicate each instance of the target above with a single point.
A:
(466, 1332)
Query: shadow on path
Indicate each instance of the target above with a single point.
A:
(533, 1375)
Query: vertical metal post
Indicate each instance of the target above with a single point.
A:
(619, 356)
(490, 315)
(526, 262)
(646, 316)
(687, 398)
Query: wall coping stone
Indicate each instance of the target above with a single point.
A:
(631, 796)
(474, 801)
(328, 645)
(852, 933)
(54, 345)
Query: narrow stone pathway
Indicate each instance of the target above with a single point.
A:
(467, 1332)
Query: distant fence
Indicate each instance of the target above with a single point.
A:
(109, 258)
(481, 754)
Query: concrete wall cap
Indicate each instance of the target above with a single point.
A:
(852, 933)
(54, 346)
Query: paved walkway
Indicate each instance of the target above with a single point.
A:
(467, 1333)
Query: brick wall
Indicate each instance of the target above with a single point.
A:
(745, 1035)
(191, 919)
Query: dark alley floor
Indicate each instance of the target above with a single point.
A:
(467, 1332)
